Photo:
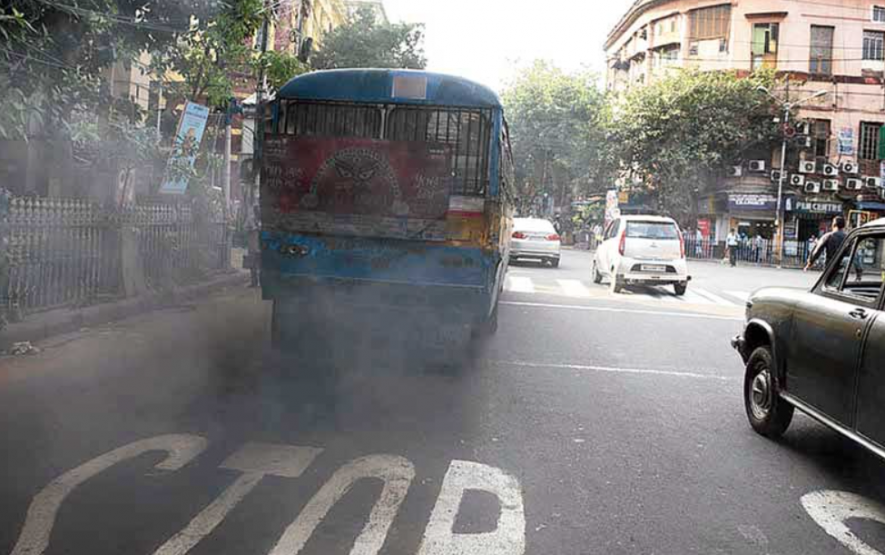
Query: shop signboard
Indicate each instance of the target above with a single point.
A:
(811, 207)
(754, 202)
(705, 227)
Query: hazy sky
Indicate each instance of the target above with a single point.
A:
(485, 39)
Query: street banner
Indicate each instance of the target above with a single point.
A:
(187, 142)
(611, 207)
(846, 141)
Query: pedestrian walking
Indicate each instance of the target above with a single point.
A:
(829, 244)
(731, 242)
(698, 243)
(759, 247)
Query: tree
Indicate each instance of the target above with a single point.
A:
(364, 42)
(54, 55)
(675, 136)
(558, 123)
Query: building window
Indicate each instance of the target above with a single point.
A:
(820, 137)
(878, 14)
(874, 45)
(710, 23)
(666, 56)
(765, 39)
(869, 140)
(821, 62)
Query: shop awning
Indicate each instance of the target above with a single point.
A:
(875, 206)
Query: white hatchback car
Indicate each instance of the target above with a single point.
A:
(537, 239)
(642, 250)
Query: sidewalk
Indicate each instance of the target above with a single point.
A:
(43, 325)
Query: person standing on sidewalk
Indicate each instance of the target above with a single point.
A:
(829, 243)
(732, 242)
(253, 227)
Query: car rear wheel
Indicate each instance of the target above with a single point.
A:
(768, 413)
(617, 284)
(680, 289)
(554, 262)
(597, 277)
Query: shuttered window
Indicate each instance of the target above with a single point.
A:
(821, 62)
(710, 23)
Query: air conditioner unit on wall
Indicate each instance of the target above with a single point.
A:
(872, 182)
(830, 170)
(797, 180)
(807, 166)
(812, 187)
(757, 165)
(853, 184)
(776, 175)
(735, 171)
(831, 185)
(803, 128)
(849, 168)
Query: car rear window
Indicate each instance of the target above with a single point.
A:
(530, 224)
(652, 230)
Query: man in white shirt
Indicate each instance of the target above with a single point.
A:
(732, 242)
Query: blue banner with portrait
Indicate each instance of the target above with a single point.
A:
(187, 143)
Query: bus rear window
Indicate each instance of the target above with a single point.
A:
(466, 132)
(330, 120)
(652, 230)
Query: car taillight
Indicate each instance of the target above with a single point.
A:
(553, 237)
(622, 247)
(518, 235)
(681, 245)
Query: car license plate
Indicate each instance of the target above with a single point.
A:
(653, 268)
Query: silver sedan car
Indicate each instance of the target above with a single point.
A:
(536, 239)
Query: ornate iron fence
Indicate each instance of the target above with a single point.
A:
(60, 252)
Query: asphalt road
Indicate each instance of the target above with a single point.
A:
(590, 424)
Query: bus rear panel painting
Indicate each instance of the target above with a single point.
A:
(385, 209)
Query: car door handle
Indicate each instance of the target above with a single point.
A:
(858, 314)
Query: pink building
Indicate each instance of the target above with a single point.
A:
(837, 46)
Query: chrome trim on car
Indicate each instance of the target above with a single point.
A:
(833, 425)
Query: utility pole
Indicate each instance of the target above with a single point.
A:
(258, 132)
(225, 179)
(780, 216)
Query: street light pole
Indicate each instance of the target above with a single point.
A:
(779, 223)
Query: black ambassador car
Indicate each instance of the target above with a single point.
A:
(822, 351)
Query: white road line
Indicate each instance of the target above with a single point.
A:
(518, 284)
(254, 460)
(397, 474)
(624, 311)
(180, 449)
(742, 295)
(832, 509)
(692, 297)
(612, 370)
(573, 288)
(508, 538)
(714, 297)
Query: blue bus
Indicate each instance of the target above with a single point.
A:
(386, 208)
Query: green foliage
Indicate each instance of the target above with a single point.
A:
(214, 53)
(54, 53)
(558, 123)
(364, 42)
(676, 135)
(280, 67)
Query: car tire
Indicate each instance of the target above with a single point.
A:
(554, 262)
(597, 277)
(617, 284)
(680, 289)
(768, 413)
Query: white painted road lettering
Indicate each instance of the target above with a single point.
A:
(397, 474)
(509, 536)
(254, 460)
(34, 538)
(832, 509)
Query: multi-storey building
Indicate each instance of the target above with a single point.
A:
(837, 46)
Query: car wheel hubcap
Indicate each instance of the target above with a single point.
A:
(761, 395)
